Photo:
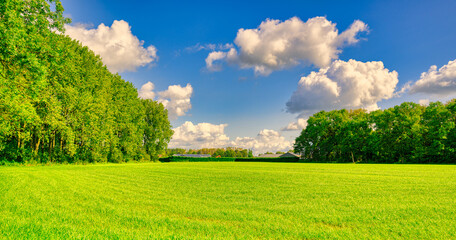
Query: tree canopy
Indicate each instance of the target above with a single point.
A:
(59, 103)
(408, 133)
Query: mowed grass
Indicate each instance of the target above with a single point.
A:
(228, 201)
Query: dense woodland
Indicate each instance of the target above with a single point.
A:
(59, 103)
(409, 133)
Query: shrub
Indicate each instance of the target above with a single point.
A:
(193, 159)
(259, 159)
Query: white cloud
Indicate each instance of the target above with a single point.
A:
(266, 141)
(230, 56)
(275, 45)
(424, 102)
(117, 46)
(404, 88)
(441, 82)
(214, 56)
(147, 91)
(351, 84)
(201, 135)
(300, 124)
(207, 135)
(176, 98)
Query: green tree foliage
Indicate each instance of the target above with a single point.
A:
(408, 133)
(451, 137)
(229, 152)
(59, 103)
(157, 130)
(438, 140)
(353, 136)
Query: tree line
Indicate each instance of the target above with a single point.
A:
(214, 152)
(408, 133)
(59, 103)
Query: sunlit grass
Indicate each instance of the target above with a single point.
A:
(228, 200)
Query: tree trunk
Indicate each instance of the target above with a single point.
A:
(37, 146)
(52, 146)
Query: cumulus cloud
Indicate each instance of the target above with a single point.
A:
(201, 135)
(176, 99)
(441, 82)
(207, 135)
(275, 45)
(266, 141)
(116, 45)
(351, 84)
(147, 91)
(300, 124)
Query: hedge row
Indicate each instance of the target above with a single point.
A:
(258, 159)
(226, 159)
(193, 159)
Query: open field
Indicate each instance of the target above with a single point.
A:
(228, 200)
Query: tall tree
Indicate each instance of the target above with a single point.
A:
(58, 102)
(157, 130)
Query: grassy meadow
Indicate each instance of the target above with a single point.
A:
(228, 200)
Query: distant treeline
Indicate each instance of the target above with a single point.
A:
(228, 159)
(409, 133)
(228, 152)
(59, 103)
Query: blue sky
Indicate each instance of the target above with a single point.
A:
(406, 36)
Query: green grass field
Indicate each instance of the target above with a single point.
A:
(228, 201)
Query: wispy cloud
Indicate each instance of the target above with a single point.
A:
(208, 47)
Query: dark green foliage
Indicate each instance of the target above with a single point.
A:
(408, 133)
(194, 159)
(259, 159)
(59, 103)
(214, 152)
(227, 159)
